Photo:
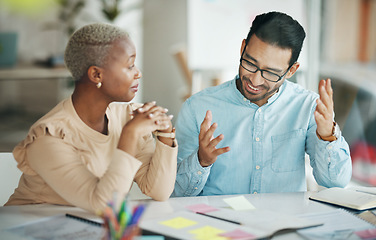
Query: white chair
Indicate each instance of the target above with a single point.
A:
(9, 176)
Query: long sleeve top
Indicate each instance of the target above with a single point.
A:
(66, 162)
(268, 144)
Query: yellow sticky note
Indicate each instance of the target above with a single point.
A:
(239, 203)
(207, 232)
(178, 223)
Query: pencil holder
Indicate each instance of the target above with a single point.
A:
(122, 224)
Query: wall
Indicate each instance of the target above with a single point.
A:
(165, 26)
(41, 35)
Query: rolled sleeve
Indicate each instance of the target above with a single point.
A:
(332, 163)
(191, 177)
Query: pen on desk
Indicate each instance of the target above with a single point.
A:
(365, 192)
(223, 219)
(83, 219)
(137, 214)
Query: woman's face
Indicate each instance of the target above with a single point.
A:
(120, 75)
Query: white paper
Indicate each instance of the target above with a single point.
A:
(239, 203)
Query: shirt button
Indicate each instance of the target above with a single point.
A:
(330, 147)
(257, 167)
(254, 192)
(328, 159)
(259, 110)
(244, 99)
(199, 172)
(257, 139)
(196, 188)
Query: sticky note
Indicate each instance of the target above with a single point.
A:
(207, 232)
(201, 208)
(149, 237)
(239, 203)
(178, 223)
(238, 234)
(367, 234)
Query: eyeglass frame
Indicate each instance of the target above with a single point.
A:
(262, 70)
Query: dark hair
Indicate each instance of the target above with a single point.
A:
(279, 29)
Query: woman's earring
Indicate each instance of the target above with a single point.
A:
(99, 85)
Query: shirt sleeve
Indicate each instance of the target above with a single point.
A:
(331, 161)
(156, 176)
(191, 177)
(64, 171)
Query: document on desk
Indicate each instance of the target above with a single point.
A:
(338, 224)
(269, 222)
(57, 227)
(254, 223)
(189, 225)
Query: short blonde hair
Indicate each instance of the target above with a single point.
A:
(90, 46)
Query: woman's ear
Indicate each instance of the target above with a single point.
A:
(292, 70)
(95, 74)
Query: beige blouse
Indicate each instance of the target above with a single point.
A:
(66, 162)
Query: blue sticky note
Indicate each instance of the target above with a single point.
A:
(149, 237)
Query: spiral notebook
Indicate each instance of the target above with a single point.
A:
(338, 224)
(59, 227)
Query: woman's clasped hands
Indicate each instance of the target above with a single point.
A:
(145, 120)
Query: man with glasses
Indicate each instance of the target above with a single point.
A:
(262, 125)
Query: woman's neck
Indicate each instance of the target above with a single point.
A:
(91, 109)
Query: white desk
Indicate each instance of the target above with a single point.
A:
(288, 203)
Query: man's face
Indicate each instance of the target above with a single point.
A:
(273, 60)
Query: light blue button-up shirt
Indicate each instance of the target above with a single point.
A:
(268, 144)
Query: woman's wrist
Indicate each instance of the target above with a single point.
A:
(167, 138)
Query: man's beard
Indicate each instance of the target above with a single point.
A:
(255, 98)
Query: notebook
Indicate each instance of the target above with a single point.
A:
(350, 198)
(338, 224)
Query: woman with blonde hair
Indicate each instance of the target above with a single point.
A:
(95, 143)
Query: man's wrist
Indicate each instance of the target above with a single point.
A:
(333, 137)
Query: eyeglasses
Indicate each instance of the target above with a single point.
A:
(250, 67)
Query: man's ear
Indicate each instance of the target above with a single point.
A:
(95, 74)
(242, 48)
(292, 70)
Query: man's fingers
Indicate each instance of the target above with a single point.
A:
(213, 143)
(326, 93)
(319, 117)
(220, 151)
(322, 109)
(205, 125)
(207, 136)
(329, 88)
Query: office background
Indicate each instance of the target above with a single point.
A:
(184, 46)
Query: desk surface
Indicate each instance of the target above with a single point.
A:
(287, 203)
